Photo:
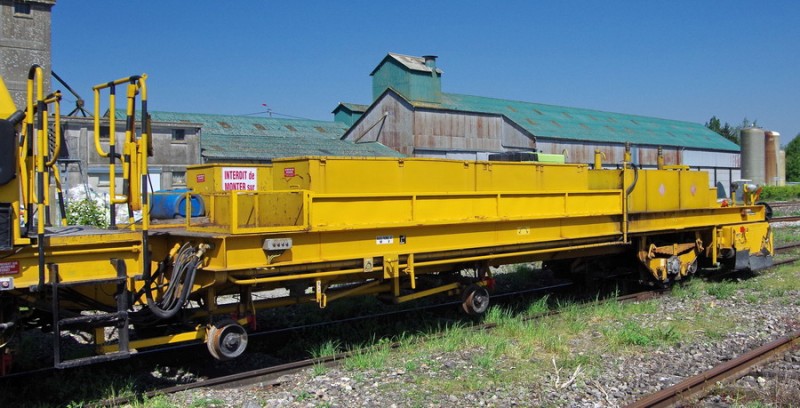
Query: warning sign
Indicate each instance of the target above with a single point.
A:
(239, 178)
(9, 268)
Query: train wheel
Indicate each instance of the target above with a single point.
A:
(475, 300)
(226, 340)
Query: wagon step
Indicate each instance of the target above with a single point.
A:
(118, 319)
(77, 362)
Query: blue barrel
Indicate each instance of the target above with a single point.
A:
(166, 204)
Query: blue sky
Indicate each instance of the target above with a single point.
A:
(682, 60)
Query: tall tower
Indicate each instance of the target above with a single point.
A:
(24, 41)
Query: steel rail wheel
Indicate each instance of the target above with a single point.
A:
(475, 300)
(226, 340)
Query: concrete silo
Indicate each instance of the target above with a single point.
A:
(753, 146)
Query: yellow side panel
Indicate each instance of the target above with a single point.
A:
(7, 106)
(466, 208)
(380, 175)
(662, 189)
(351, 212)
(694, 189)
(605, 179)
(511, 176)
(333, 175)
(753, 237)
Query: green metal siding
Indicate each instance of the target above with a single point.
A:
(412, 84)
(391, 74)
(348, 113)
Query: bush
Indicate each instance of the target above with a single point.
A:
(87, 212)
(782, 193)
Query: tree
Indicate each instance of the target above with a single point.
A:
(793, 159)
(727, 131)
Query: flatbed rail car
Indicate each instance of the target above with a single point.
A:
(328, 228)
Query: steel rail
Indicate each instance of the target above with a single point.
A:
(272, 373)
(702, 383)
(793, 218)
(783, 204)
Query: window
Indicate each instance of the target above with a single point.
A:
(22, 9)
(104, 132)
(178, 135)
(178, 178)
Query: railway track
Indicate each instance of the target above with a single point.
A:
(271, 375)
(784, 204)
(393, 314)
(700, 384)
(776, 220)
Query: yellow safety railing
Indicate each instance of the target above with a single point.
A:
(133, 156)
(35, 162)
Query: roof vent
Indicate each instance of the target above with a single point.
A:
(430, 61)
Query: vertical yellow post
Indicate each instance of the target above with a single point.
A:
(627, 157)
(131, 152)
(598, 159)
(40, 149)
(660, 158)
(410, 271)
(234, 220)
(144, 150)
(624, 204)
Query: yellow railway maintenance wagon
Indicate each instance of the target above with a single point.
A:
(327, 228)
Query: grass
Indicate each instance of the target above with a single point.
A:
(519, 352)
(786, 234)
(722, 290)
(326, 349)
(635, 334)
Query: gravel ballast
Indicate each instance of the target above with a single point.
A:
(621, 376)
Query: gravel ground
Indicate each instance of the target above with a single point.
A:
(623, 377)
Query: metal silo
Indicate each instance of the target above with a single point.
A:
(772, 146)
(781, 168)
(753, 154)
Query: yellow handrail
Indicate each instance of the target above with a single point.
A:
(55, 99)
(133, 155)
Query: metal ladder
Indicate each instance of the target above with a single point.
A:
(118, 319)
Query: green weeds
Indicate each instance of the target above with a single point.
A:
(635, 334)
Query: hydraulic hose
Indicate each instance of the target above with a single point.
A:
(184, 271)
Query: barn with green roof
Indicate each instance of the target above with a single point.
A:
(256, 139)
(411, 114)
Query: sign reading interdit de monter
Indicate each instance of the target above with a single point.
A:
(239, 178)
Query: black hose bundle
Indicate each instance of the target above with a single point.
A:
(184, 271)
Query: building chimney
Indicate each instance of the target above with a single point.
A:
(430, 61)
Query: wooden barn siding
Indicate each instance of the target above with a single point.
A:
(514, 138)
(645, 155)
(457, 131)
(395, 129)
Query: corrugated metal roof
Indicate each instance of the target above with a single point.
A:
(243, 147)
(259, 138)
(255, 125)
(578, 124)
(410, 62)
